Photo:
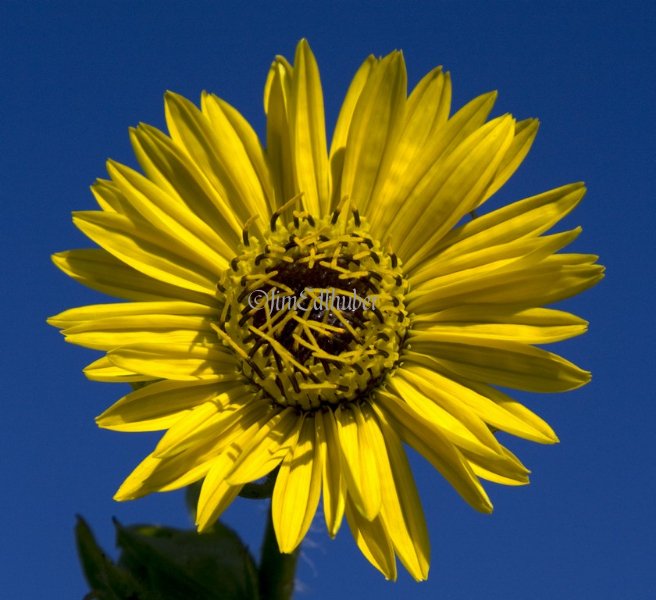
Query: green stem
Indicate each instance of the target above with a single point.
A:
(277, 570)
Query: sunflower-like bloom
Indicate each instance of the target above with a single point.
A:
(312, 309)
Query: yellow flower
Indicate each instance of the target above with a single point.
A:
(312, 309)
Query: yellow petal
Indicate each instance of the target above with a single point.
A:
(432, 444)
(309, 132)
(534, 323)
(179, 362)
(459, 425)
(342, 126)
(174, 171)
(108, 195)
(172, 472)
(217, 492)
(297, 490)
(462, 124)
(250, 141)
(194, 238)
(531, 216)
(450, 190)
(402, 514)
(222, 494)
(506, 469)
(535, 428)
(471, 332)
(507, 364)
(240, 149)
(104, 370)
(92, 312)
(525, 132)
(375, 126)
(160, 404)
(519, 283)
(204, 449)
(334, 485)
(426, 114)
(99, 270)
(279, 147)
(428, 106)
(146, 250)
(484, 407)
(359, 460)
(218, 154)
(186, 426)
(501, 256)
(267, 448)
(373, 541)
(106, 334)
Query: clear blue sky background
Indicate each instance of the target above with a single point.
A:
(76, 75)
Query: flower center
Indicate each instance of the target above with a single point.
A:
(314, 309)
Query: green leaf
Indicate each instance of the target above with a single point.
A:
(106, 580)
(180, 565)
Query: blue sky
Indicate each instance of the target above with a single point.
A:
(75, 76)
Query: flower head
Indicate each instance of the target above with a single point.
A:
(311, 309)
